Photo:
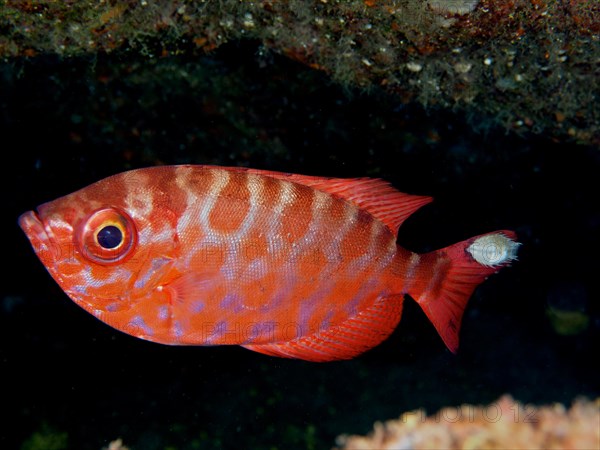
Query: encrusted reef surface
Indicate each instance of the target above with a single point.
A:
(501, 425)
(528, 66)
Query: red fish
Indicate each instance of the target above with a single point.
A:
(283, 264)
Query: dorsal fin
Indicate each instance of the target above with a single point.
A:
(374, 195)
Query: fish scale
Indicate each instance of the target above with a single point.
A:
(326, 210)
(283, 264)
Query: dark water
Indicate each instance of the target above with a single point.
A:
(70, 381)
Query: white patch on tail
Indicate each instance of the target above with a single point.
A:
(493, 250)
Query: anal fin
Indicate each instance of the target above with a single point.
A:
(344, 341)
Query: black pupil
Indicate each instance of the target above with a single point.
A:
(110, 237)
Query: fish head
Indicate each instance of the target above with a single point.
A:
(110, 246)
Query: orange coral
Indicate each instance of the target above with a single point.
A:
(500, 425)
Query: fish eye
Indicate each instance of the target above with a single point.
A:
(107, 236)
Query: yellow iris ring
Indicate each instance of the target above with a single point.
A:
(109, 223)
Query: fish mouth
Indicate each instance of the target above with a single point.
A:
(40, 237)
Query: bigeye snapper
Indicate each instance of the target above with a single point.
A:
(283, 264)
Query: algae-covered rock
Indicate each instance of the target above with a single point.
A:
(526, 66)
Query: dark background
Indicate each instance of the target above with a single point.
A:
(70, 381)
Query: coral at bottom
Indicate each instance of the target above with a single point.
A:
(116, 445)
(500, 425)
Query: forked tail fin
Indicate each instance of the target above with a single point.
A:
(445, 279)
